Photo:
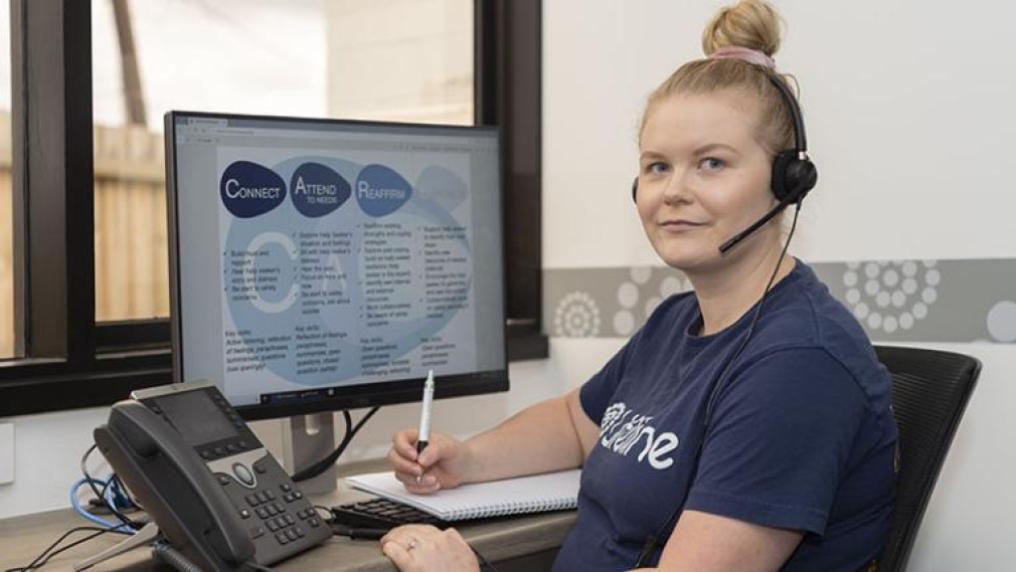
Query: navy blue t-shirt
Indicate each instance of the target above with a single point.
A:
(801, 434)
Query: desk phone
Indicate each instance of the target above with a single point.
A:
(214, 491)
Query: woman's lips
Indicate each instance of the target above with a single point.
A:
(680, 225)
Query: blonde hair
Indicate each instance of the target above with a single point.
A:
(752, 24)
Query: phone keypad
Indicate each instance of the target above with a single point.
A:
(276, 517)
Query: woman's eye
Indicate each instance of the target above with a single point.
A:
(656, 167)
(711, 164)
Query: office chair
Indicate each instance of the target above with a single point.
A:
(930, 392)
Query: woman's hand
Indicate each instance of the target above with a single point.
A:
(441, 465)
(424, 548)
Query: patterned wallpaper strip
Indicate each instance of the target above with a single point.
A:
(972, 300)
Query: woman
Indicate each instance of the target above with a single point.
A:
(745, 435)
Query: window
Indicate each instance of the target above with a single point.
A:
(409, 60)
(6, 200)
(90, 292)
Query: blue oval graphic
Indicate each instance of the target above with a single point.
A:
(248, 189)
(381, 191)
(318, 190)
(441, 186)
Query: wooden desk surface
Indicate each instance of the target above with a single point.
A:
(501, 540)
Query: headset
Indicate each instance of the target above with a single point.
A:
(793, 176)
(793, 172)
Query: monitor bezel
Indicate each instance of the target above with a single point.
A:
(364, 395)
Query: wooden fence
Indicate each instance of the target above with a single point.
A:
(131, 256)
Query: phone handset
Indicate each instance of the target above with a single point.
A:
(147, 435)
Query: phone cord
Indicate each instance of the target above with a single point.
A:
(164, 552)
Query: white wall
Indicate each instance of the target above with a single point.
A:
(907, 106)
(909, 115)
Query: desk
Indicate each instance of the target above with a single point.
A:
(516, 543)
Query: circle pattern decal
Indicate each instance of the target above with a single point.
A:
(641, 274)
(577, 316)
(1002, 321)
(891, 295)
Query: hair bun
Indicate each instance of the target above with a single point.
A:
(749, 24)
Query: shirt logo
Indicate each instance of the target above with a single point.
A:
(621, 429)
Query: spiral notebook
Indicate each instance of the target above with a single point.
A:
(535, 493)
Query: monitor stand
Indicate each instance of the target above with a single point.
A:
(307, 439)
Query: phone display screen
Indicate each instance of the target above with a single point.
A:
(197, 417)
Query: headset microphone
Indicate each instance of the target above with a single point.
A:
(755, 226)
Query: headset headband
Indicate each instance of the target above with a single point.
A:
(800, 140)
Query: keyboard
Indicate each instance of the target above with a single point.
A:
(382, 513)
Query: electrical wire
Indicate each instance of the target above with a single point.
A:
(105, 488)
(351, 431)
(99, 495)
(754, 319)
(43, 558)
(76, 505)
(121, 496)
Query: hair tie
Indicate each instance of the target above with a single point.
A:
(744, 54)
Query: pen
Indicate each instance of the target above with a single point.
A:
(423, 436)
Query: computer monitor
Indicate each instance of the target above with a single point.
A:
(320, 264)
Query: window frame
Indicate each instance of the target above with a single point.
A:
(65, 359)
(508, 72)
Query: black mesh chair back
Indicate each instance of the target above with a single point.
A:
(930, 392)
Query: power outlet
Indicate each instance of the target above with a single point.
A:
(6, 453)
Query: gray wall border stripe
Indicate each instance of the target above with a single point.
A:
(969, 300)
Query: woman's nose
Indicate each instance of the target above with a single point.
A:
(676, 189)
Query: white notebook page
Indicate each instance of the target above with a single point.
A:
(535, 493)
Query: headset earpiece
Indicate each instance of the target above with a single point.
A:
(634, 190)
(792, 176)
(793, 173)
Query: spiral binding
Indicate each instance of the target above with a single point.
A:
(506, 509)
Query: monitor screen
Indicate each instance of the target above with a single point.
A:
(324, 264)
